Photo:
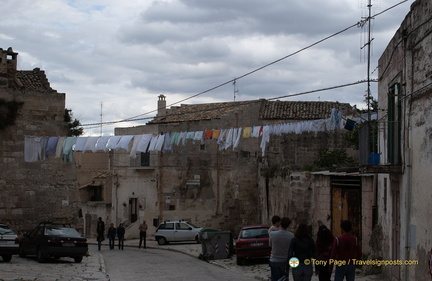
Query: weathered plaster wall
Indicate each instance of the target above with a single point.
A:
(407, 60)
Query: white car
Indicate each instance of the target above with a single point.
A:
(177, 231)
(9, 243)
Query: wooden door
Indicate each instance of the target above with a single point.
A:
(346, 204)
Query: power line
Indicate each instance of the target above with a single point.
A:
(235, 104)
(357, 24)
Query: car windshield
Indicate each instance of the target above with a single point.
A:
(62, 231)
(254, 233)
(4, 230)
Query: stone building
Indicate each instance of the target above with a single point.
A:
(32, 191)
(405, 117)
(227, 188)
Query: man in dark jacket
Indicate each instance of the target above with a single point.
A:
(111, 236)
(100, 230)
(120, 236)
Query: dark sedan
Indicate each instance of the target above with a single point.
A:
(253, 242)
(8, 243)
(53, 240)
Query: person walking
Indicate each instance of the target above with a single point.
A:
(111, 236)
(345, 248)
(303, 248)
(323, 245)
(120, 236)
(143, 234)
(276, 221)
(100, 230)
(280, 241)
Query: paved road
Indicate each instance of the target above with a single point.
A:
(156, 264)
(64, 269)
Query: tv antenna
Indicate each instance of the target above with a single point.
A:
(235, 88)
(101, 117)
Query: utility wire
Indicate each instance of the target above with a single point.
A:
(357, 24)
(236, 104)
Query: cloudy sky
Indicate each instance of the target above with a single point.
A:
(124, 54)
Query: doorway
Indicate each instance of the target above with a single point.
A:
(346, 204)
(133, 211)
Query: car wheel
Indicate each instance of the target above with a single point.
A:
(197, 239)
(7, 258)
(162, 241)
(22, 252)
(39, 256)
(239, 261)
(78, 259)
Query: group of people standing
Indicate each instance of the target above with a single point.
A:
(119, 232)
(300, 252)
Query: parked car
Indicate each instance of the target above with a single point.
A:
(176, 231)
(252, 242)
(53, 240)
(9, 243)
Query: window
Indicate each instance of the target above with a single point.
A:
(96, 193)
(168, 225)
(182, 226)
(145, 159)
(394, 119)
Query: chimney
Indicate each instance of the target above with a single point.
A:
(8, 66)
(161, 106)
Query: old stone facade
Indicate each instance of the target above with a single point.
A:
(36, 191)
(229, 188)
(404, 193)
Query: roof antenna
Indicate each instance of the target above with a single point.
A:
(235, 89)
(101, 117)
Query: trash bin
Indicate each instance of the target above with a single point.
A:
(215, 244)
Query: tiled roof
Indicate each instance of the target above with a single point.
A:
(299, 110)
(269, 110)
(33, 80)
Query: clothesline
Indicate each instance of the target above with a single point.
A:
(39, 148)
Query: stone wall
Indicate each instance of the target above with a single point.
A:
(43, 190)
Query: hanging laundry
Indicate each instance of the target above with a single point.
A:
(265, 139)
(68, 148)
(182, 138)
(51, 146)
(167, 143)
(216, 134)
(34, 148)
(247, 132)
(112, 142)
(153, 142)
(236, 137)
(190, 135)
(198, 135)
(124, 143)
(208, 135)
(80, 144)
(59, 148)
(257, 131)
(144, 143)
(102, 143)
(160, 142)
(174, 138)
(136, 141)
(90, 144)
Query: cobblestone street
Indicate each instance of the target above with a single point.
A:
(93, 266)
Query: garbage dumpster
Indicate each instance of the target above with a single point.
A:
(215, 244)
